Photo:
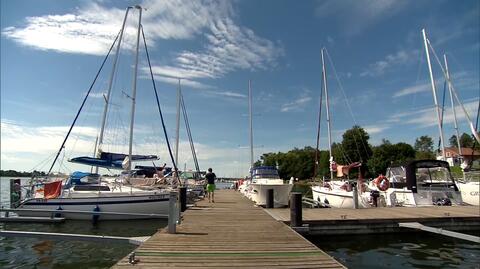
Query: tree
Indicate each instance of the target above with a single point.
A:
(388, 154)
(424, 147)
(453, 141)
(355, 145)
(466, 141)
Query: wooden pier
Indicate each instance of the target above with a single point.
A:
(229, 233)
(332, 221)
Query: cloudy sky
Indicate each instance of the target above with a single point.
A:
(377, 75)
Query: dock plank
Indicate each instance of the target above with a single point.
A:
(229, 233)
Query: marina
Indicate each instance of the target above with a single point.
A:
(124, 132)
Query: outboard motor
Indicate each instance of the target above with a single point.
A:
(443, 202)
(374, 194)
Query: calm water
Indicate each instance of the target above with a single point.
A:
(411, 250)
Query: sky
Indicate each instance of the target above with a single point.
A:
(377, 75)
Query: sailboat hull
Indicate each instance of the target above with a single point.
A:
(142, 204)
(337, 198)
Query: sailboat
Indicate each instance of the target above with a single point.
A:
(264, 178)
(336, 193)
(85, 192)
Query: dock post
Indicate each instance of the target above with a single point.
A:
(183, 199)
(296, 209)
(172, 212)
(355, 197)
(270, 198)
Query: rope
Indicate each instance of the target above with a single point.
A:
(158, 104)
(83, 103)
(189, 133)
(348, 106)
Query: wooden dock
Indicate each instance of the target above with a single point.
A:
(330, 221)
(230, 233)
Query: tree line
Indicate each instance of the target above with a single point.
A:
(355, 147)
(13, 173)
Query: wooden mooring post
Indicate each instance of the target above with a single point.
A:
(270, 203)
(183, 198)
(296, 209)
(172, 212)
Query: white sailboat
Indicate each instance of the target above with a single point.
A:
(338, 194)
(85, 192)
(264, 178)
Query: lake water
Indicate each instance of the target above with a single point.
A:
(403, 251)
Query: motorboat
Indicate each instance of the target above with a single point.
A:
(265, 178)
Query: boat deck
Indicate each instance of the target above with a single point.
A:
(230, 233)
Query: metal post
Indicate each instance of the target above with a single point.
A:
(296, 209)
(329, 124)
(172, 214)
(183, 198)
(434, 91)
(355, 197)
(270, 198)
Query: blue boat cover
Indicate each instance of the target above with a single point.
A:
(75, 179)
(111, 160)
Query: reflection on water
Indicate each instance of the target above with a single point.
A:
(406, 250)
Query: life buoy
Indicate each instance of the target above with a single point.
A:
(382, 183)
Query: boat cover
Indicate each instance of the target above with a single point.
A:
(111, 160)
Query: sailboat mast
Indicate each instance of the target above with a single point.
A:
(453, 106)
(434, 90)
(179, 92)
(324, 72)
(250, 115)
(109, 91)
(134, 90)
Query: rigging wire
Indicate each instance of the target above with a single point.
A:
(83, 103)
(443, 111)
(158, 104)
(189, 133)
(316, 164)
(349, 108)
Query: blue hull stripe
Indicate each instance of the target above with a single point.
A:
(95, 202)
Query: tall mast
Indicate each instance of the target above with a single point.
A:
(250, 115)
(434, 90)
(134, 90)
(179, 92)
(110, 83)
(453, 106)
(324, 72)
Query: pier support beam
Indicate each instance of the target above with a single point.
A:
(296, 209)
(270, 199)
(355, 197)
(172, 212)
(183, 198)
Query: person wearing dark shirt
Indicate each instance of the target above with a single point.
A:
(210, 177)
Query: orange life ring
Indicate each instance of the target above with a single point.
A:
(382, 183)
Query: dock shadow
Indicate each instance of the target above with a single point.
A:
(185, 233)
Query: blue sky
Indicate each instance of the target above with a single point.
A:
(51, 50)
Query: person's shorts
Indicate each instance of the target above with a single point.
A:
(210, 187)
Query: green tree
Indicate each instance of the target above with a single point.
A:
(355, 144)
(453, 141)
(388, 154)
(424, 147)
(466, 141)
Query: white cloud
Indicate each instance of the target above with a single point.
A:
(297, 104)
(375, 129)
(413, 90)
(356, 16)
(401, 57)
(25, 147)
(228, 94)
(92, 28)
(427, 117)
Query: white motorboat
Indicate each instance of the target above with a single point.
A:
(470, 192)
(265, 178)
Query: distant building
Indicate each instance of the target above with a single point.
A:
(454, 159)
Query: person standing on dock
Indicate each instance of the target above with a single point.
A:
(210, 176)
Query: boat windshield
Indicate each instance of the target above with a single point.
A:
(265, 173)
(433, 175)
(396, 174)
